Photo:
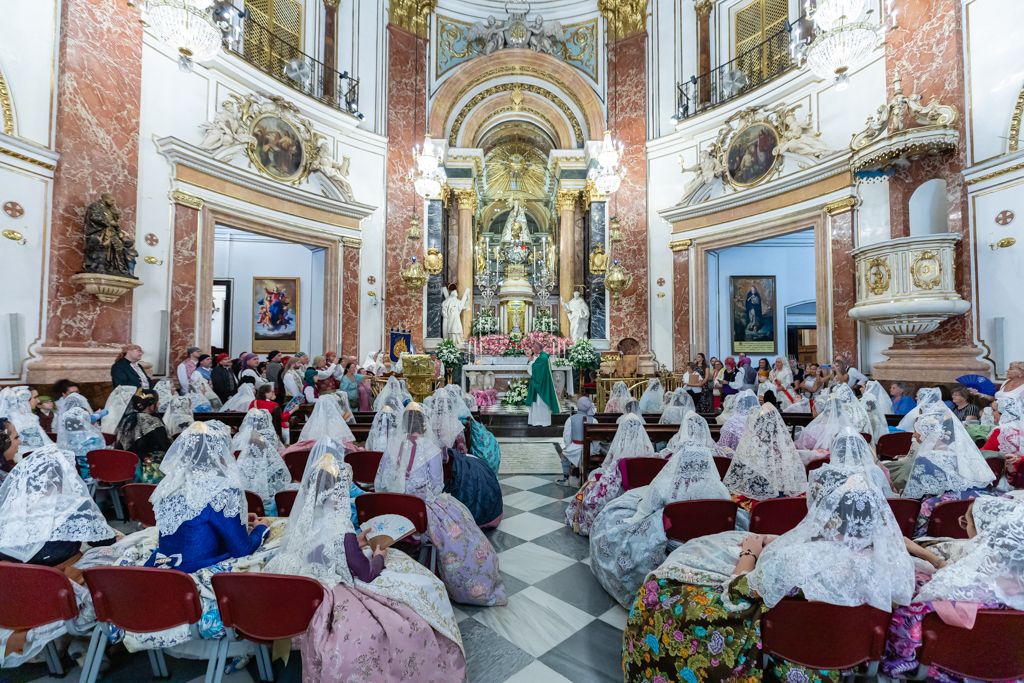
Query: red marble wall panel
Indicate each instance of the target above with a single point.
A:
(627, 119)
(680, 309)
(184, 280)
(406, 124)
(844, 286)
(927, 53)
(98, 94)
(350, 296)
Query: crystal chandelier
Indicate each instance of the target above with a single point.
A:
(843, 40)
(608, 174)
(827, 14)
(187, 26)
(429, 174)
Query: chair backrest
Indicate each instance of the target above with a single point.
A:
(284, 500)
(364, 465)
(945, 519)
(905, 510)
(136, 498)
(295, 461)
(846, 636)
(369, 505)
(997, 465)
(143, 599)
(689, 519)
(977, 653)
(34, 595)
(815, 464)
(112, 466)
(867, 437)
(777, 515)
(109, 439)
(893, 445)
(266, 607)
(722, 463)
(255, 503)
(637, 472)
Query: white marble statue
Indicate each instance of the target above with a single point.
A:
(336, 172)
(578, 312)
(799, 137)
(451, 315)
(708, 167)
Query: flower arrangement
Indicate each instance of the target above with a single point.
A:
(449, 354)
(583, 356)
(545, 322)
(516, 393)
(516, 344)
(484, 323)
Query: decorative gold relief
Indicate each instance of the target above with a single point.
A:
(926, 270)
(591, 193)
(354, 242)
(841, 206)
(1018, 113)
(14, 236)
(465, 197)
(153, 260)
(460, 118)
(703, 7)
(186, 199)
(566, 200)
(878, 275)
(6, 108)
(625, 17)
(412, 15)
(433, 261)
(598, 260)
(680, 245)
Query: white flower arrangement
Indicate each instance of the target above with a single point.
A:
(545, 322)
(516, 393)
(583, 356)
(449, 354)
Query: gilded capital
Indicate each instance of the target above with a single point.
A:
(680, 245)
(466, 198)
(625, 18)
(841, 206)
(566, 200)
(412, 15)
(331, 4)
(703, 7)
(186, 199)
(354, 242)
(591, 194)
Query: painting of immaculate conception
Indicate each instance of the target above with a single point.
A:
(752, 300)
(275, 314)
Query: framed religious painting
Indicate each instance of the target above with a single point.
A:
(277, 149)
(275, 316)
(752, 312)
(750, 157)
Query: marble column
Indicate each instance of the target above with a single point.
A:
(466, 198)
(928, 53)
(98, 89)
(351, 295)
(680, 303)
(627, 119)
(183, 306)
(703, 9)
(597, 296)
(844, 277)
(566, 201)
(330, 47)
(406, 121)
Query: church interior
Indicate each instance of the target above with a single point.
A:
(511, 340)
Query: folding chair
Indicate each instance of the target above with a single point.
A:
(33, 596)
(688, 519)
(905, 510)
(264, 608)
(109, 468)
(893, 445)
(364, 466)
(722, 463)
(136, 499)
(369, 505)
(295, 461)
(815, 464)
(285, 500)
(945, 519)
(777, 515)
(255, 504)
(144, 600)
(845, 637)
(980, 653)
(637, 472)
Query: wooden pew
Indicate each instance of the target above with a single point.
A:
(606, 432)
(361, 429)
(232, 420)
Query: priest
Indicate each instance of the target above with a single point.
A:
(540, 394)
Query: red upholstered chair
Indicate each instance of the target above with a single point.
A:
(295, 461)
(893, 445)
(945, 519)
(143, 600)
(364, 466)
(109, 439)
(136, 499)
(34, 595)
(722, 463)
(845, 636)
(285, 500)
(255, 504)
(905, 510)
(370, 505)
(815, 464)
(264, 608)
(985, 652)
(777, 515)
(689, 519)
(637, 472)
(997, 465)
(110, 468)
(867, 437)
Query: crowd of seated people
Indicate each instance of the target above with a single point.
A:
(696, 606)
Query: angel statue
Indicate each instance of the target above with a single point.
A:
(800, 138)
(545, 35)
(451, 315)
(578, 313)
(336, 172)
(707, 168)
(490, 33)
(225, 136)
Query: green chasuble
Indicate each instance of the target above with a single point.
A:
(542, 384)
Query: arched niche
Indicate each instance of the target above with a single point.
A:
(929, 209)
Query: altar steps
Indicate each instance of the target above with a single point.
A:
(506, 422)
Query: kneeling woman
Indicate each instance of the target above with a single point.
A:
(386, 617)
(412, 464)
(698, 616)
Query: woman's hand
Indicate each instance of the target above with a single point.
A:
(754, 543)
(361, 537)
(265, 521)
(251, 519)
(382, 552)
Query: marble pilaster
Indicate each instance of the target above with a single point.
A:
(596, 294)
(182, 330)
(844, 278)
(566, 203)
(435, 231)
(703, 8)
(680, 304)
(351, 295)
